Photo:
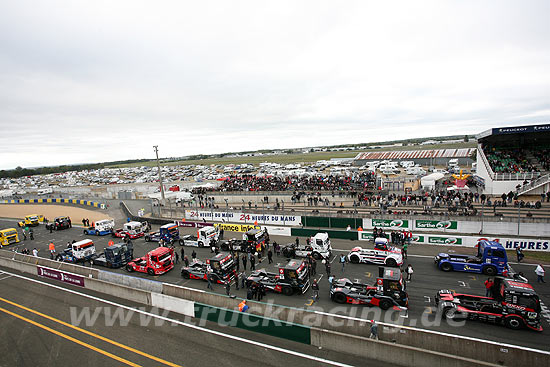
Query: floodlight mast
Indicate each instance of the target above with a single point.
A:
(160, 175)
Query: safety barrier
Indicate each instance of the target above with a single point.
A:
(305, 232)
(94, 204)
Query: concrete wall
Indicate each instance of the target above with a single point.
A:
(130, 281)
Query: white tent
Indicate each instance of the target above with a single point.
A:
(428, 182)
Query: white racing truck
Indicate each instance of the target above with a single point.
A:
(318, 247)
(382, 254)
(204, 238)
(80, 251)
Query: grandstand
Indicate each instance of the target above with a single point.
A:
(514, 159)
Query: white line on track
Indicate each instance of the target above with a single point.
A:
(243, 340)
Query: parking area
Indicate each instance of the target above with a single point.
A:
(426, 281)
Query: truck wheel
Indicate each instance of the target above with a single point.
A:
(58, 258)
(109, 264)
(185, 274)
(85, 232)
(391, 262)
(317, 256)
(514, 322)
(450, 313)
(287, 291)
(201, 244)
(129, 268)
(286, 254)
(354, 259)
(339, 298)
(446, 267)
(181, 242)
(147, 238)
(150, 271)
(490, 271)
(385, 304)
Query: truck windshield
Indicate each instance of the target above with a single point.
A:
(164, 257)
(529, 302)
(10, 233)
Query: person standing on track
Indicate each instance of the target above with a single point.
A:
(343, 261)
(488, 287)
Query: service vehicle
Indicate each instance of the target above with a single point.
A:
(59, 223)
(514, 304)
(155, 262)
(8, 236)
(382, 254)
(131, 229)
(77, 252)
(204, 238)
(220, 268)
(32, 220)
(101, 228)
(318, 247)
(169, 233)
(390, 290)
(292, 278)
(491, 259)
(114, 256)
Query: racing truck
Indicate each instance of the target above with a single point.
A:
(514, 304)
(100, 228)
(220, 268)
(318, 246)
(169, 233)
(59, 223)
(31, 220)
(256, 237)
(205, 236)
(389, 291)
(131, 229)
(8, 236)
(491, 259)
(77, 252)
(114, 256)
(292, 278)
(382, 254)
(155, 262)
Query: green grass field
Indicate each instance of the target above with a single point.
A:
(296, 158)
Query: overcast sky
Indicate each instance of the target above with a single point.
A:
(94, 81)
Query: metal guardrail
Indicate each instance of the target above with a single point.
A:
(534, 184)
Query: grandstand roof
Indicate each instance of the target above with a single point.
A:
(515, 130)
(412, 154)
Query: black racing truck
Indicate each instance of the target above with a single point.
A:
(292, 278)
(220, 268)
(114, 256)
(389, 291)
(59, 223)
(514, 304)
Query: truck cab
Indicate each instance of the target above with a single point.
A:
(59, 223)
(223, 266)
(256, 237)
(514, 304)
(382, 254)
(169, 233)
(132, 229)
(8, 236)
(32, 220)
(491, 259)
(318, 247)
(205, 236)
(101, 228)
(390, 290)
(292, 278)
(114, 256)
(80, 251)
(155, 262)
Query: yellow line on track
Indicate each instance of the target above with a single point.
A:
(168, 363)
(74, 340)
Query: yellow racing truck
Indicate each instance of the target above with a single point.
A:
(31, 220)
(8, 236)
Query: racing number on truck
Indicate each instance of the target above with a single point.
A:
(244, 217)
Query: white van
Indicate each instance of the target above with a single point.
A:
(406, 164)
(415, 171)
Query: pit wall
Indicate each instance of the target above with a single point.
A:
(54, 201)
(398, 345)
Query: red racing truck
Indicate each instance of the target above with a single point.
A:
(155, 262)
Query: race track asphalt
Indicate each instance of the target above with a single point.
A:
(427, 280)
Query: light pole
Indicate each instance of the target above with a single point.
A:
(482, 212)
(519, 214)
(160, 175)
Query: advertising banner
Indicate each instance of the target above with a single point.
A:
(61, 276)
(244, 218)
(236, 227)
(390, 223)
(436, 224)
(444, 240)
(184, 223)
(366, 236)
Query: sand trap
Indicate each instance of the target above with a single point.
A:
(51, 211)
